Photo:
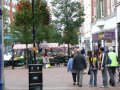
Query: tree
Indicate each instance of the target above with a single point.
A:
(24, 13)
(24, 20)
(69, 15)
(5, 21)
(55, 36)
(7, 36)
(48, 33)
(57, 32)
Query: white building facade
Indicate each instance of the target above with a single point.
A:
(118, 25)
(85, 30)
(102, 23)
(104, 27)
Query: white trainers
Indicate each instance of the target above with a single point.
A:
(90, 85)
(103, 86)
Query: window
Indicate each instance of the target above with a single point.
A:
(118, 1)
(102, 8)
(114, 2)
(109, 4)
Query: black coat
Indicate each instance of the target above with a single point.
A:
(79, 62)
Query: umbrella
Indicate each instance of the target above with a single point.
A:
(19, 46)
(22, 46)
(7, 57)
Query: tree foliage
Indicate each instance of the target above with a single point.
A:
(24, 20)
(6, 29)
(69, 15)
(21, 28)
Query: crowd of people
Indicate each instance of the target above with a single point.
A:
(106, 62)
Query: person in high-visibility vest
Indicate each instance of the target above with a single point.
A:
(112, 63)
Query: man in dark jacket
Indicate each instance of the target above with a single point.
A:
(103, 68)
(79, 65)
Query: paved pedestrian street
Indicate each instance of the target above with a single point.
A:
(54, 78)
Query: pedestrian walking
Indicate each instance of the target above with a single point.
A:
(112, 63)
(93, 66)
(79, 64)
(45, 58)
(103, 68)
(83, 51)
(70, 68)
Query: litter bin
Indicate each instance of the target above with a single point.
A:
(35, 77)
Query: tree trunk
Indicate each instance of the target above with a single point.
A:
(68, 49)
(38, 46)
(26, 56)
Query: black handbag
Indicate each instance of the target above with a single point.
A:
(89, 72)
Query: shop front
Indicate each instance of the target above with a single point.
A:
(104, 39)
(87, 45)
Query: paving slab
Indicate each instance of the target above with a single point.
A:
(54, 78)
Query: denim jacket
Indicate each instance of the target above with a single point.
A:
(70, 66)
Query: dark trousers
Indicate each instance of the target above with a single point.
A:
(111, 71)
(74, 77)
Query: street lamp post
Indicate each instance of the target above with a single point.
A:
(35, 70)
(12, 57)
(33, 32)
(1, 46)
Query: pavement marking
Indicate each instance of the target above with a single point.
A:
(15, 88)
(63, 88)
(75, 88)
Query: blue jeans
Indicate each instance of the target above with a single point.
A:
(93, 77)
(104, 76)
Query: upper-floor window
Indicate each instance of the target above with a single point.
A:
(118, 1)
(95, 8)
(102, 10)
(108, 7)
(114, 2)
(111, 6)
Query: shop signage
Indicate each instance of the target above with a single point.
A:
(104, 36)
(95, 37)
(109, 35)
(100, 36)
